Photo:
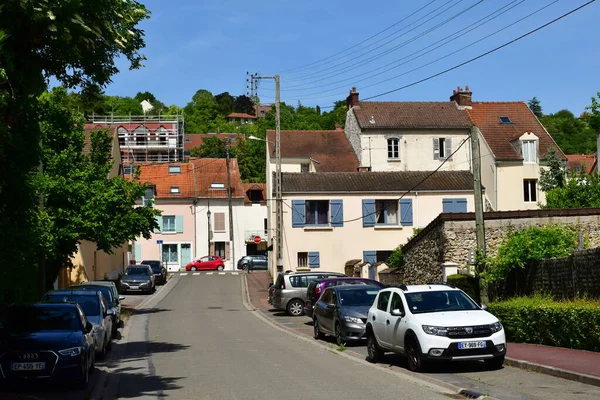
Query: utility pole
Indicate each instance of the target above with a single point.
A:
(42, 259)
(208, 218)
(133, 241)
(232, 245)
(479, 225)
(279, 201)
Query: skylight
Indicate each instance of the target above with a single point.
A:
(217, 185)
(175, 189)
(505, 120)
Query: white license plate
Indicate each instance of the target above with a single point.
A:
(134, 287)
(31, 366)
(471, 345)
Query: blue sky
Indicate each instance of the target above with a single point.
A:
(211, 44)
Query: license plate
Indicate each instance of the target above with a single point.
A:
(31, 366)
(134, 287)
(471, 345)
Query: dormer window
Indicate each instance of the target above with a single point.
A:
(216, 185)
(174, 189)
(304, 167)
(174, 169)
(505, 120)
(529, 151)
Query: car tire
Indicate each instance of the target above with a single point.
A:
(102, 354)
(495, 363)
(295, 308)
(83, 382)
(220, 268)
(245, 267)
(338, 334)
(109, 344)
(93, 364)
(416, 363)
(318, 335)
(374, 352)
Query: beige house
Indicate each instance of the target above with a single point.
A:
(89, 263)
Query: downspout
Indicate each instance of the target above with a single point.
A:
(496, 185)
(194, 203)
(416, 209)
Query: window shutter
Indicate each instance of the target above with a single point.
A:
(447, 205)
(337, 212)
(298, 212)
(537, 151)
(368, 206)
(460, 205)
(212, 248)
(179, 223)
(227, 250)
(370, 256)
(159, 222)
(448, 149)
(314, 259)
(138, 252)
(219, 222)
(406, 212)
(436, 149)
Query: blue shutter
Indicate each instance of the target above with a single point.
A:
(159, 222)
(337, 212)
(179, 223)
(370, 256)
(368, 212)
(406, 212)
(298, 212)
(460, 205)
(447, 205)
(314, 259)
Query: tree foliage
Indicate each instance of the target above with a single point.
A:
(536, 107)
(533, 243)
(554, 175)
(580, 191)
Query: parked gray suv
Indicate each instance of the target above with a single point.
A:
(290, 289)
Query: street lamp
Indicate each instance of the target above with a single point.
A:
(208, 236)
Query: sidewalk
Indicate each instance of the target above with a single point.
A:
(576, 365)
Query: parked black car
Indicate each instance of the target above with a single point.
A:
(253, 262)
(342, 312)
(159, 271)
(49, 341)
(138, 278)
(111, 303)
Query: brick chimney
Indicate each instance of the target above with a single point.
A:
(352, 99)
(463, 98)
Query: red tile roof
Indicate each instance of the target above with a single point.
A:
(499, 135)
(578, 161)
(330, 148)
(214, 170)
(241, 115)
(158, 175)
(410, 115)
(254, 186)
(193, 140)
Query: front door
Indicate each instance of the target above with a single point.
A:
(186, 254)
(170, 257)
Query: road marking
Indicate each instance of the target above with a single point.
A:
(235, 273)
(196, 273)
(210, 273)
(184, 273)
(221, 273)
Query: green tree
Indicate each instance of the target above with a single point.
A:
(573, 135)
(244, 104)
(212, 147)
(226, 103)
(554, 175)
(77, 43)
(536, 107)
(593, 117)
(200, 113)
(580, 191)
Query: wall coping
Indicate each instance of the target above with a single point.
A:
(499, 215)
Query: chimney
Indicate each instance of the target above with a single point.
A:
(463, 98)
(352, 99)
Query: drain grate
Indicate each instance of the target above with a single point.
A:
(469, 394)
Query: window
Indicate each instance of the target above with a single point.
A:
(386, 212)
(219, 222)
(175, 189)
(317, 212)
(442, 148)
(220, 250)
(170, 254)
(529, 151)
(168, 223)
(396, 303)
(302, 260)
(530, 190)
(188, 139)
(304, 167)
(454, 205)
(393, 148)
(382, 300)
(174, 169)
(505, 120)
(216, 185)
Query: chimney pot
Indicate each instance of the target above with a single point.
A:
(463, 98)
(352, 99)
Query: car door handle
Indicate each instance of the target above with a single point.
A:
(387, 322)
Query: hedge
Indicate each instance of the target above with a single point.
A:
(467, 283)
(572, 324)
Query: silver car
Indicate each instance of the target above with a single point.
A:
(116, 296)
(138, 278)
(290, 290)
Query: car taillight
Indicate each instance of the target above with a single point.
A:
(318, 290)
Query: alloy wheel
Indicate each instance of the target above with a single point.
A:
(295, 308)
(338, 335)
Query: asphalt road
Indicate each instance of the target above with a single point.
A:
(200, 342)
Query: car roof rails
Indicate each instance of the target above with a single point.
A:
(442, 284)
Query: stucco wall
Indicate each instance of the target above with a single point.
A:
(510, 186)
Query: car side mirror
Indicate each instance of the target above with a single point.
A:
(110, 312)
(121, 298)
(484, 307)
(330, 306)
(88, 327)
(397, 313)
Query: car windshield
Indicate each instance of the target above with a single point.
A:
(439, 301)
(155, 265)
(105, 290)
(89, 304)
(36, 319)
(358, 297)
(136, 271)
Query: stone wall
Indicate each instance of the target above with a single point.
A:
(353, 133)
(450, 237)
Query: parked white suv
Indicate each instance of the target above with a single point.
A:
(433, 322)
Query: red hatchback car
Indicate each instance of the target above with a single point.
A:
(206, 263)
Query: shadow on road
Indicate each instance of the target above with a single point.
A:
(135, 385)
(136, 311)
(143, 349)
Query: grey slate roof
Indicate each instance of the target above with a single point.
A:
(396, 181)
(411, 115)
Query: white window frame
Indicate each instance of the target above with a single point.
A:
(166, 225)
(393, 141)
(174, 190)
(529, 150)
(527, 190)
(385, 212)
(174, 169)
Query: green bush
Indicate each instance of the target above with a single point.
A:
(572, 324)
(467, 283)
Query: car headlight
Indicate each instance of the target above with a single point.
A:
(496, 327)
(72, 352)
(435, 330)
(145, 283)
(353, 319)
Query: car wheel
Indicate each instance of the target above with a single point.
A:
(317, 331)
(84, 381)
(295, 308)
(194, 269)
(374, 353)
(495, 363)
(93, 364)
(109, 344)
(338, 334)
(245, 267)
(220, 268)
(414, 356)
(102, 354)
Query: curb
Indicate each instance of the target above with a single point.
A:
(553, 371)
(431, 383)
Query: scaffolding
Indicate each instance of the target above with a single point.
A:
(147, 138)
